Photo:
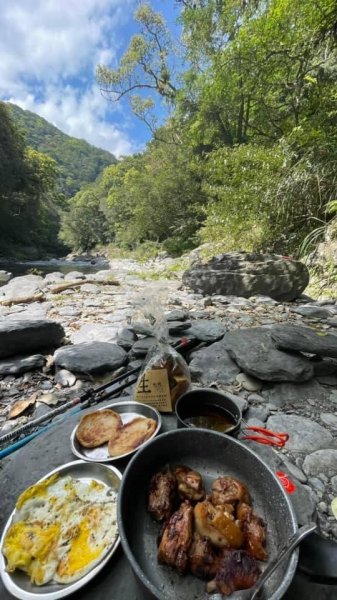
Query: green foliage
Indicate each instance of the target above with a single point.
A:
(79, 163)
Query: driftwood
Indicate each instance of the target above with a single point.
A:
(56, 289)
(25, 300)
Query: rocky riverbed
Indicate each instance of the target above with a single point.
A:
(277, 360)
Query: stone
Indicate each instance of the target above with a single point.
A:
(22, 287)
(324, 367)
(321, 461)
(94, 332)
(249, 383)
(253, 350)
(178, 326)
(126, 338)
(314, 312)
(299, 394)
(176, 315)
(5, 276)
(294, 470)
(24, 336)
(304, 435)
(90, 357)
(65, 378)
(206, 331)
(55, 277)
(141, 347)
(248, 274)
(304, 339)
(334, 483)
(213, 363)
(260, 413)
(242, 403)
(21, 364)
(72, 275)
(329, 419)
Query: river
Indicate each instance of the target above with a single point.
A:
(42, 267)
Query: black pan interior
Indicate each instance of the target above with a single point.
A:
(212, 454)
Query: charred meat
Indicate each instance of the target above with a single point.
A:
(237, 571)
(162, 495)
(190, 485)
(203, 559)
(254, 530)
(217, 526)
(177, 538)
(226, 490)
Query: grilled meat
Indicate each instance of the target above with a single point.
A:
(227, 489)
(177, 538)
(203, 559)
(162, 495)
(237, 571)
(254, 530)
(217, 525)
(190, 485)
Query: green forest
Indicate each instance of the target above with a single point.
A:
(247, 157)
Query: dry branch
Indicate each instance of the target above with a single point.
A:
(56, 289)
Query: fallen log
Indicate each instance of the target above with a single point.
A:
(56, 289)
(25, 300)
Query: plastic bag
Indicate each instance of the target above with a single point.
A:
(165, 375)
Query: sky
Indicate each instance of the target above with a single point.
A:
(49, 53)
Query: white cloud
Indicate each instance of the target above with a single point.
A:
(49, 52)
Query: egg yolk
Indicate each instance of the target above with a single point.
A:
(26, 541)
(80, 554)
(39, 490)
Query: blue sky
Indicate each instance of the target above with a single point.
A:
(49, 53)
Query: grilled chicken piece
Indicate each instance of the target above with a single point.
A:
(227, 489)
(254, 530)
(162, 495)
(177, 538)
(190, 485)
(237, 571)
(203, 559)
(217, 525)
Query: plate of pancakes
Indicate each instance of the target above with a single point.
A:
(115, 431)
(62, 531)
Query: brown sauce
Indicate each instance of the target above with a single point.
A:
(212, 418)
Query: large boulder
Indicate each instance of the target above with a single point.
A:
(20, 288)
(248, 274)
(90, 357)
(25, 336)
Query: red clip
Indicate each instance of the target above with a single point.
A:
(288, 485)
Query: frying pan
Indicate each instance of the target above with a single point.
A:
(212, 454)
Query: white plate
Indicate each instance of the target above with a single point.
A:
(18, 583)
(127, 412)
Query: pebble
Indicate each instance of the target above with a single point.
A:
(249, 383)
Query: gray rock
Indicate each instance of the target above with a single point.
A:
(317, 484)
(74, 275)
(141, 347)
(260, 413)
(90, 357)
(22, 287)
(314, 312)
(242, 403)
(213, 364)
(94, 332)
(325, 367)
(21, 364)
(334, 483)
(304, 435)
(254, 422)
(233, 300)
(249, 383)
(65, 378)
(299, 394)
(5, 276)
(253, 350)
(207, 331)
(329, 419)
(55, 277)
(24, 336)
(321, 461)
(294, 470)
(247, 274)
(90, 288)
(178, 326)
(304, 339)
(69, 311)
(176, 315)
(126, 338)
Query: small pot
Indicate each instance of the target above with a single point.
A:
(197, 402)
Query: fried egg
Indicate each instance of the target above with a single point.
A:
(62, 528)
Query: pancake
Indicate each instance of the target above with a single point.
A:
(98, 427)
(131, 436)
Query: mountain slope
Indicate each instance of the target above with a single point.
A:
(79, 162)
